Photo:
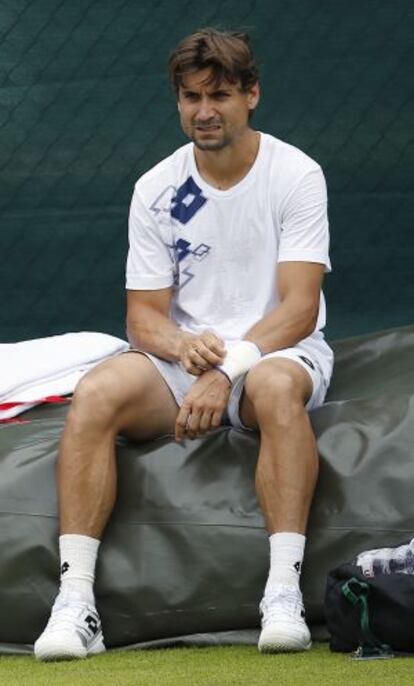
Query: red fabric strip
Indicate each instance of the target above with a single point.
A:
(38, 401)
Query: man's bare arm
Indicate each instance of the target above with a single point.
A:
(150, 329)
(299, 285)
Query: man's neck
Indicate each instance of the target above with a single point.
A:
(225, 168)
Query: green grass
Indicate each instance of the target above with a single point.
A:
(230, 666)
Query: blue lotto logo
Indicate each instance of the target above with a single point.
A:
(185, 251)
(187, 201)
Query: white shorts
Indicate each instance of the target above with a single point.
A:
(179, 381)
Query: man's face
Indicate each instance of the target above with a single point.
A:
(214, 116)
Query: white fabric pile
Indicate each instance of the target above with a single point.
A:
(35, 370)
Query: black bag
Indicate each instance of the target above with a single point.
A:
(374, 615)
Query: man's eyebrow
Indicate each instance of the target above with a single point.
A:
(214, 89)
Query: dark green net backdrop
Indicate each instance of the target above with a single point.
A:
(85, 108)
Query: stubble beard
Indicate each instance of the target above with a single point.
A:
(213, 144)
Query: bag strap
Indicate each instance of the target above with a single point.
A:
(357, 592)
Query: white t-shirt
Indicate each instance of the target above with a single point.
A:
(219, 250)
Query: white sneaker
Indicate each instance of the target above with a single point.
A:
(73, 630)
(283, 625)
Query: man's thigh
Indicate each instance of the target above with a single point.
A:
(132, 391)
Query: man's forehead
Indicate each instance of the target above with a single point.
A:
(205, 80)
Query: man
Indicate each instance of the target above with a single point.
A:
(228, 247)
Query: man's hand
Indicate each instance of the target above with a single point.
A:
(200, 353)
(203, 406)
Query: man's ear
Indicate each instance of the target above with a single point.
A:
(254, 96)
(178, 107)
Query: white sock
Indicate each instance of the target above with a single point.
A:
(78, 559)
(286, 555)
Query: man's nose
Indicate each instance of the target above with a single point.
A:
(205, 110)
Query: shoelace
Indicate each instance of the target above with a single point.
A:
(286, 604)
(64, 614)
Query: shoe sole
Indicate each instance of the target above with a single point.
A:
(282, 640)
(61, 651)
(283, 647)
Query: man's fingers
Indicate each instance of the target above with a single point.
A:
(193, 424)
(203, 355)
(205, 422)
(181, 422)
(192, 368)
(199, 425)
(215, 345)
(188, 422)
(200, 355)
(216, 419)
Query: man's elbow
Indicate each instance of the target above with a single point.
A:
(131, 338)
(309, 320)
(135, 334)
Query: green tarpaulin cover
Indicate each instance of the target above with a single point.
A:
(185, 555)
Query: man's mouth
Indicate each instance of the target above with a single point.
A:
(209, 127)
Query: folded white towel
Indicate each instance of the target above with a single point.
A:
(32, 370)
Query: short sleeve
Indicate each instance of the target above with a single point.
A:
(304, 222)
(149, 262)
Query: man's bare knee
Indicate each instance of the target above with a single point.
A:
(276, 392)
(102, 395)
(93, 403)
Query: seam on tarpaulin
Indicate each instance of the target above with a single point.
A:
(146, 523)
(207, 524)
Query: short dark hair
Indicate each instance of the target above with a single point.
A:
(227, 53)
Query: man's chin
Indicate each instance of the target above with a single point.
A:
(210, 144)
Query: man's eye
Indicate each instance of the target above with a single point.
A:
(221, 95)
(190, 96)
